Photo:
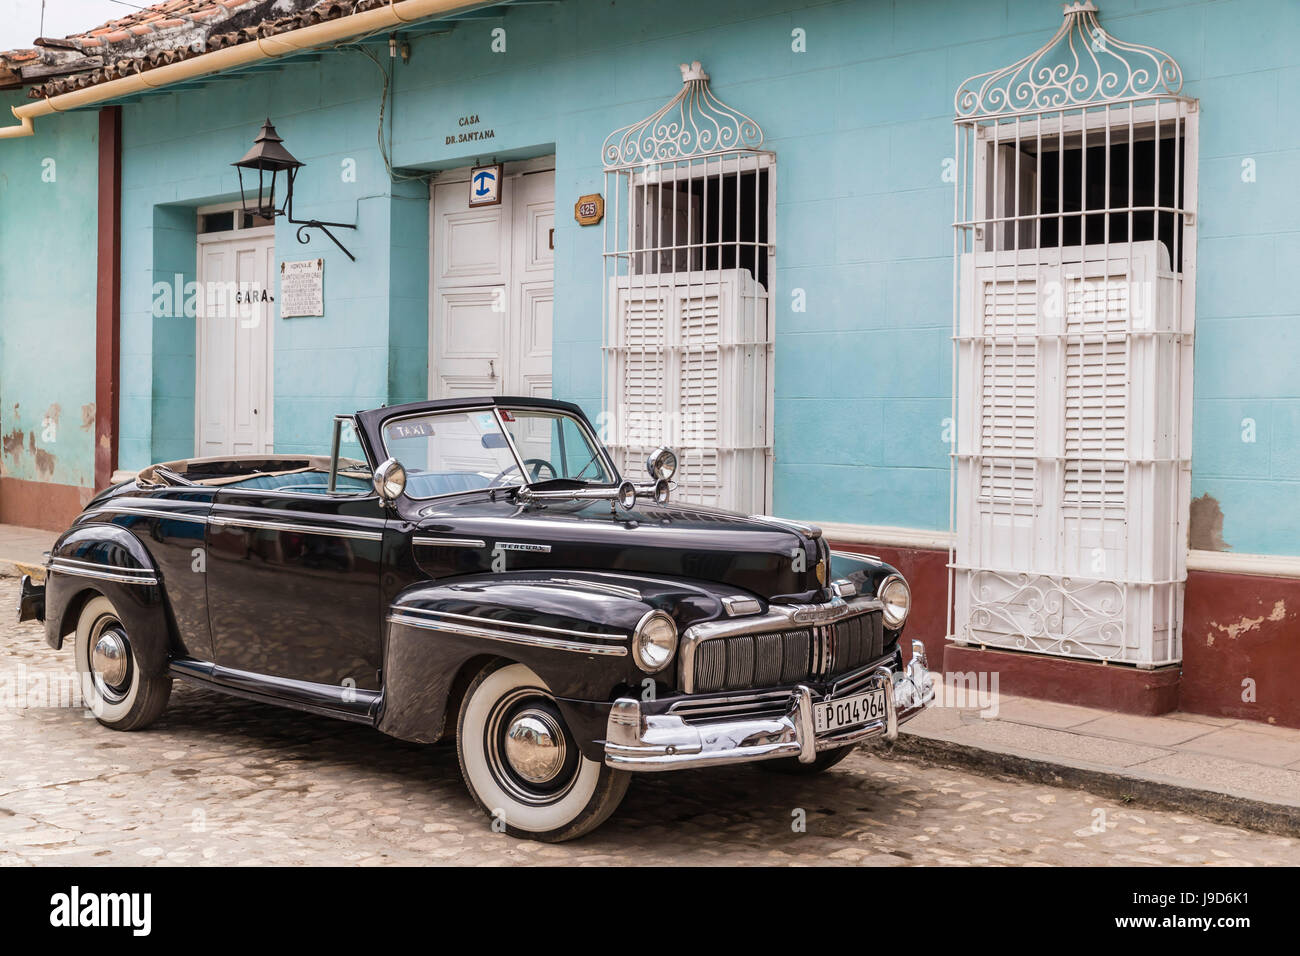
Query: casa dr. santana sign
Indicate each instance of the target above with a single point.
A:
(467, 133)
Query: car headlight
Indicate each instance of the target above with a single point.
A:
(654, 642)
(896, 596)
(662, 463)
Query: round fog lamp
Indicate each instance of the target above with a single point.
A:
(654, 642)
(896, 596)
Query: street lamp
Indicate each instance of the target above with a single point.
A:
(269, 158)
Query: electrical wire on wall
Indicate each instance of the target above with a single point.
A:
(385, 143)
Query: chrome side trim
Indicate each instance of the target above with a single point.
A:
(101, 566)
(854, 554)
(469, 618)
(492, 634)
(260, 525)
(807, 530)
(779, 617)
(83, 572)
(117, 509)
(425, 541)
(615, 589)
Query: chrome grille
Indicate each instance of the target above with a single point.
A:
(788, 656)
(730, 708)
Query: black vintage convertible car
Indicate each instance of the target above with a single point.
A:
(480, 568)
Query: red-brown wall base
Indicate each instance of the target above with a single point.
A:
(1241, 648)
(1120, 687)
(41, 504)
(927, 575)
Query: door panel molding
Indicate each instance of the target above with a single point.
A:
(508, 271)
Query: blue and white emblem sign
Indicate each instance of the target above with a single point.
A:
(485, 185)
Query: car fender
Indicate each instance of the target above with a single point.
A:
(572, 628)
(102, 558)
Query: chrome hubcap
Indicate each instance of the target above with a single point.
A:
(109, 658)
(535, 746)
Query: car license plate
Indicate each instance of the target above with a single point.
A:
(849, 711)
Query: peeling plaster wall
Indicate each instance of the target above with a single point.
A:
(1241, 647)
(47, 300)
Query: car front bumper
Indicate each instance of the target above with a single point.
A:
(636, 740)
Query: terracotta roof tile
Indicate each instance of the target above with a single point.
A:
(171, 31)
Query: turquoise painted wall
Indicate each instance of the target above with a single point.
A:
(177, 153)
(1246, 420)
(48, 213)
(861, 125)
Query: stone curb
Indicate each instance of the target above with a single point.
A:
(1248, 812)
(12, 567)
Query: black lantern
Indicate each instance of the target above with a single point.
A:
(269, 157)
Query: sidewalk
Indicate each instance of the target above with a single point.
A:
(1235, 771)
(22, 550)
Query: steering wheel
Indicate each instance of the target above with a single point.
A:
(535, 465)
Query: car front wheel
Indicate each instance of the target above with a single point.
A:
(113, 687)
(522, 764)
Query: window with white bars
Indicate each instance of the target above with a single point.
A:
(1075, 227)
(688, 373)
(690, 198)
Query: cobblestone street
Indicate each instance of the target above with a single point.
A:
(225, 781)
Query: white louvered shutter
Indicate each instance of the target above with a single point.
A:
(641, 318)
(1065, 438)
(1008, 393)
(1096, 394)
(689, 372)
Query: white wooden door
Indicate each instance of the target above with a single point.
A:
(493, 289)
(236, 313)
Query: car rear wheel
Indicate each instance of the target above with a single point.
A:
(824, 761)
(113, 687)
(522, 764)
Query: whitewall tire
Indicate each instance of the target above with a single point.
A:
(112, 685)
(522, 764)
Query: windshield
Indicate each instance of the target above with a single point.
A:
(451, 452)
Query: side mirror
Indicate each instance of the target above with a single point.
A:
(390, 480)
(662, 463)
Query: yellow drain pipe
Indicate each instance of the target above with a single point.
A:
(378, 20)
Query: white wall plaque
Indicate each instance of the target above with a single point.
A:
(302, 288)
